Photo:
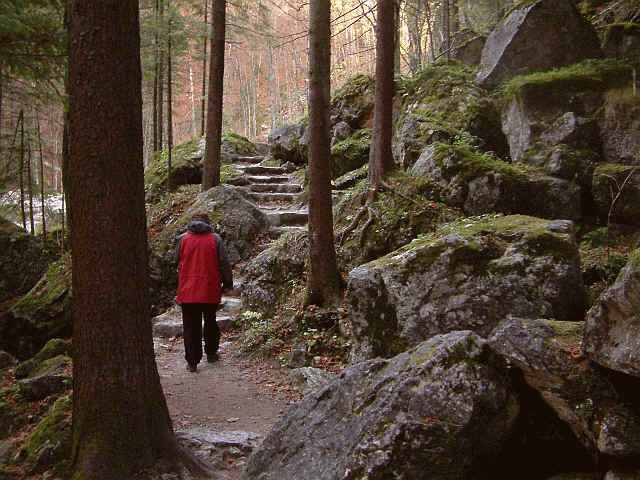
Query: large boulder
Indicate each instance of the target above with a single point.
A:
(616, 193)
(350, 153)
(479, 183)
(622, 40)
(42, 314)
(549, 355)
(267, 277)
(22, 261)
(619, 122)
(439, 411)
(233, 217)
(543, 35)
(352, 104)
(468, 275)
(441, 104)
(289, 143)
(612, 329)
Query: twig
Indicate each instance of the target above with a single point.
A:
(620, 189)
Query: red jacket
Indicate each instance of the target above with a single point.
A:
(200, 276)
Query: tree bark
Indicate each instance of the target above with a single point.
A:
(380, 157)
(30, 188)
(44, 220)
(120, 418)
(160, 77)
(324, 283)
(211, 167)
(169, 109)
(155, 78)
(204, 74)
(24, 215)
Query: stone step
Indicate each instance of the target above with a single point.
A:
(248, 159)
(172, 327)
(287, 217)
(272, 197)
(276, 187)
(288, 228)
(267, 179)
(262, 170)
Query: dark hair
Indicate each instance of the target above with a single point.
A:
(201, 216)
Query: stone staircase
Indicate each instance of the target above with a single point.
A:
(275, 193)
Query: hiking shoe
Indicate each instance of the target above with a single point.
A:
(192, 367)
(212, 357)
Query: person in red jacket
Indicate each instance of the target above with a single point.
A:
(204, 275)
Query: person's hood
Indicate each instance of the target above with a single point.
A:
(197, 226)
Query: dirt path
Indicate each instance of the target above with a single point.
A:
(228, 398)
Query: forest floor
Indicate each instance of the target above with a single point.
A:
(238, 393)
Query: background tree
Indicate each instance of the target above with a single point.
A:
(324, 283)
(116, 383)
(211, 166)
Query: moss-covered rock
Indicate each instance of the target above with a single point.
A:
(51, 377)
(12, 411)
(6, 360)
(442, 104)
(469, 274)
(397, 217)
(22, 261)
(42, 314)
(619, 122)
(50, 443)
(54, 348)
(351, 153)
(480, 183)
(352, 103)
(268, 277)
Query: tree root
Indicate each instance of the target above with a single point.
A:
(367, 224)
(352, 225)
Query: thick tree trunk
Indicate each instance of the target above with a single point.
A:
(211, 167)
(204, 74)
(380, 157)
(156, 74)
(324, 283)
(120, 417)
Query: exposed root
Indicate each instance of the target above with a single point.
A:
(352, 226)
(390, 188)
(366, 225)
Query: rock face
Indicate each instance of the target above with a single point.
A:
(234, 218)
(612, 329)
(350, 153)
(549, 355)
(620, 125)
(22, 261)
(289, 143)
(266, 276)
(468, 276)
(479, 183)
(440, 411)
(539, 37)
(621, 181)
(44, 313)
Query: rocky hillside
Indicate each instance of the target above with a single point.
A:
(489, 326)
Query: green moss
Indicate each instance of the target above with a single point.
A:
(354, 146)
(581, 75)
(626, 26)
(55, 428)
(54, 348)
(635, 258)
(353, 88)
(238, 144)
(612, 169)
(55, 284)
(228, 172)
(569, 333)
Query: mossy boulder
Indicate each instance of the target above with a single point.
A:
(54, 348)
(50, 377)
(622, 40)
(442, 104)
(233, 217)
(22, 261)
(549, 354)
(467, 275)
(49, 446)
(268, 277)
(186, 163)
(352, 103)
(612, 329)
(616, 193)
(538, 36)
(13, 411)
(396, 218)
(480, 183)
(441, 410)
(289, 143)
(351, 153)
(42, 314)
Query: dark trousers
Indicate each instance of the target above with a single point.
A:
(192, 315)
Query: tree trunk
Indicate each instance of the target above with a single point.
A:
(156, 74)
(324, 283)
(44, 220)
(380, 157)
(211, 167)
(1, 118)
(396, 36)
(24, 215)
(30, 188)
(120, 418)
(204, 74)
(160, 78)
(169, 109)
